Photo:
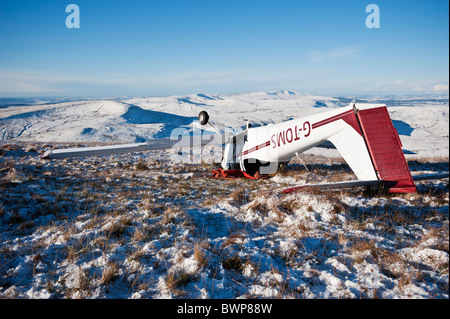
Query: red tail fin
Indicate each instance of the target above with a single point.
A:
(385, 150)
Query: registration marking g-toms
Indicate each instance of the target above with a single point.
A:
(290, 135)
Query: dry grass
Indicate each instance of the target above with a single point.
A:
(141, 166)
(115, 230)
(238, 197)
(233, 263)
(110, 273)
(290, 205)
(146, 211)
(177, 279)
(145, 233)
(259, 206)
(200, 255)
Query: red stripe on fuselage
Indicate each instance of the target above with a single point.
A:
(257, 147)
(331, 119)
(348, 117)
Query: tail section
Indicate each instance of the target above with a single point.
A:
(351, 145)
(372, 148)
(385, 149)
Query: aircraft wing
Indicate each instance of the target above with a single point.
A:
(345, 184)
(154, 144)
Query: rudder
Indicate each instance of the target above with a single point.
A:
(385, 150)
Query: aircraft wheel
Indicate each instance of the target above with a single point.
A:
(203, 117)
(251, 166)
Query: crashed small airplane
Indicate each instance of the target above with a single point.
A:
(362, 133)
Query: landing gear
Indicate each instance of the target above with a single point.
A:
(253, 166)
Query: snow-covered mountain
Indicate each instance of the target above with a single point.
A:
(422, 123)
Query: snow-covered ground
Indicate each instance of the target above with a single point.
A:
(146, 226)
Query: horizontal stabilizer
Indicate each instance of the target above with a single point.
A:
(336, 185)
(430, 176)
(358, 183)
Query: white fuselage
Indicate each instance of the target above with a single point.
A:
(278, 143)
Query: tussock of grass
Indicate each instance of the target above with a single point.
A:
(178, 278)
(233, 263)
(110, 273)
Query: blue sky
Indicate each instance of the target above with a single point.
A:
(169, 47)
